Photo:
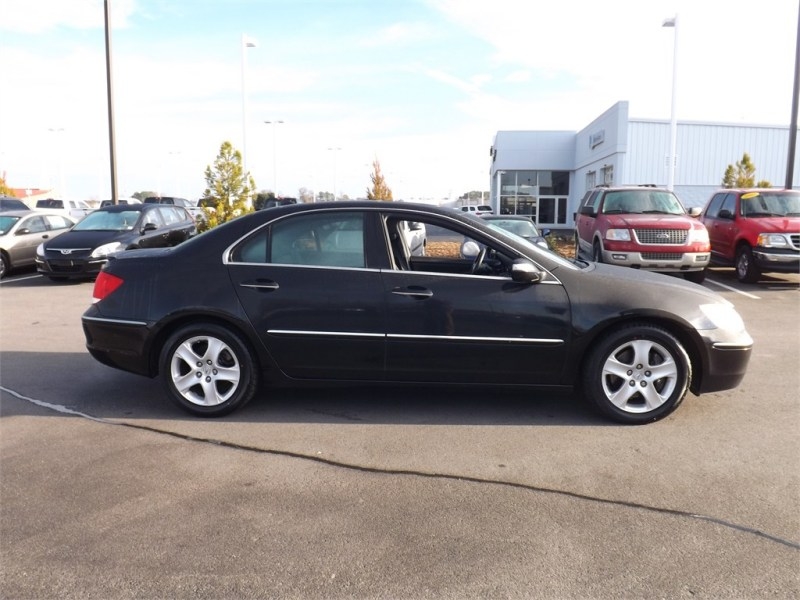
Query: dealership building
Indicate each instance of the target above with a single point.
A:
(546, 173)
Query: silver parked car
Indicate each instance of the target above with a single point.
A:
(21, 231)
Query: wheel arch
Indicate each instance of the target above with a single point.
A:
(684, 333)
(239, 328)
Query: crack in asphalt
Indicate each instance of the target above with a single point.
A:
(413, 473)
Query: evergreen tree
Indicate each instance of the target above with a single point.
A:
(379, 190)
(742, 175)
(228, 187)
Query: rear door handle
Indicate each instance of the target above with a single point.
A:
(265, 285)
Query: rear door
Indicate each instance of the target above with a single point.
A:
(312, 295)
(585, 221)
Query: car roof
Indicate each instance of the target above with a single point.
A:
(126, 207)
(18, 212)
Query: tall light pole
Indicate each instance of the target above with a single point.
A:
(274, 155)
(335, 150)
(247, 42)
(673, 123)
(112, 145)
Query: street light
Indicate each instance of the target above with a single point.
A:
(335, 150)
(673, 123)
(247, 42)
(274, 160)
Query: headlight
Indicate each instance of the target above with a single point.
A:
(619, 235)
(698, 236)
(40, 250)
(772, 240)
(105, 250)
(721, 316)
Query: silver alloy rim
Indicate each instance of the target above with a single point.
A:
(639, 376)
(205, 371)
(742, 265)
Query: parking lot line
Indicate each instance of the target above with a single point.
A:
(733, 289)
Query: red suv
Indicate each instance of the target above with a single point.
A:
(755, 230)
(643, 227)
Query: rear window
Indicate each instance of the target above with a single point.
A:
(49, 203)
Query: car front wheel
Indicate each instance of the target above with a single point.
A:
(597, 252)
(637, 374)
(746, 270)
(208, 370)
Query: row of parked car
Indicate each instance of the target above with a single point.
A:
(66, 240)
(754, 230)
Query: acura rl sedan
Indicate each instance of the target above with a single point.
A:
(325, 293)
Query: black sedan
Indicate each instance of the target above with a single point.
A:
(81, 252)
(317, 293)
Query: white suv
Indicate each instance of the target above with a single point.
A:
(74, 209)
(481, 209)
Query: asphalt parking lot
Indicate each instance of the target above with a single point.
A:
(108, 491)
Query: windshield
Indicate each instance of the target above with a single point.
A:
(642, 201)
(101, 220)
(500, 233)
(771, 204)
(524, 228)
(6, 223)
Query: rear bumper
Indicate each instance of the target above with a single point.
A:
(116, 343)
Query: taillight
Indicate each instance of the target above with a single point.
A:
(104, 285)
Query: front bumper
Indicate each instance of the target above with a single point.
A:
(771, 260)
(658, 261)
(725, 364)
(70, 268)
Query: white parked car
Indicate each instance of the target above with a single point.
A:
(416, 237)
(74, 209)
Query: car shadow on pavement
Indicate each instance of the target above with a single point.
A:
(78, 383)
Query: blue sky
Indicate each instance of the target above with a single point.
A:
(421, 85)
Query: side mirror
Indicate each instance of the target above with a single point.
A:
(695, 211)
(546, 233)
(725, 214)
(588, 211)
(524, 271)
(149, 227)
(23, 231)
(415, 226)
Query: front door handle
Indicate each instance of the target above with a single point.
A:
(413, 291)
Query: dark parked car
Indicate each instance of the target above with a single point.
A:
(21, 231)
(81, 252)
(9, 203)
(330, 292)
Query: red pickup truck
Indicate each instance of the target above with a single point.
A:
(643, 227)
(755, 230)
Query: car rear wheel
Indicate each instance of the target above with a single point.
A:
(746, 270)
(637, 374)
(4, 264)
(208, 370)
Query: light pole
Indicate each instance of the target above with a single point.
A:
(247, 42)
(673, 123)
(274, 159)
(335, 150)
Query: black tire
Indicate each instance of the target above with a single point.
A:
(637, 374)
(5, 265)
(597, 252)
(577, 246)
(208, 370)
(746, 269)
(695, 276)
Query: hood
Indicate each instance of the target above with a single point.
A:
(776, 224)
(651, 220)
(89, 239)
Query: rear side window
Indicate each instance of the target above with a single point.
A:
(327, 240)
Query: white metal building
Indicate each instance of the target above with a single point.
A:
(546, 173)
